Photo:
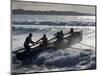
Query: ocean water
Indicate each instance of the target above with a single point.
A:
(54, 19)
(79, 56)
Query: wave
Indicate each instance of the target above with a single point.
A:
(23, 30)
(66, 59)
(51, 23)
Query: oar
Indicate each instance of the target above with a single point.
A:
(23, 48)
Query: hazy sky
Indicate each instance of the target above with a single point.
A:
(52, 7)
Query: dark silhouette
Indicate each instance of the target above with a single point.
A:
(71, 31)
(28, 40)
(59, 35)
(44, 40)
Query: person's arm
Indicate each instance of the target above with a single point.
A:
(39, 40)
(32, 42)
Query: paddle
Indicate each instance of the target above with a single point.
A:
(36, 44)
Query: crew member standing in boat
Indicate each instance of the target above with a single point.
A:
(44, 40)
(28, 40)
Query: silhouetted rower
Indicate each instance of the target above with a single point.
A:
(71, 31)
(28, 40)
(44, 41)
(59, 36)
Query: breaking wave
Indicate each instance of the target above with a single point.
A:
(23, 30)
(66, 59)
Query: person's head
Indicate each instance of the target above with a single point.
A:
(58, 32)
(44, 35)
(61, 31)
(30, 34)
(72, 29)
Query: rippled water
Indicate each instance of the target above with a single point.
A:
(53, 18)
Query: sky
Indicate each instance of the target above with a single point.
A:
(38, 6)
